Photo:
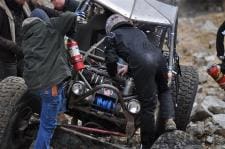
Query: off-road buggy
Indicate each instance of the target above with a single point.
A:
(93, 98)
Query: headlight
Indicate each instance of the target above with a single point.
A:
(78, 88)
(134, 106)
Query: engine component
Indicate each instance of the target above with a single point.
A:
(133, 106)
(75, 56)
(93, 78)
(82, 12)
(78, 88)
(215, 72)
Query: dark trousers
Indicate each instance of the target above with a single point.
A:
(146, 67)
(7, 69)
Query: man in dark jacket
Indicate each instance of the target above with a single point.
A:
(220, 42)
(147, 67)
(12, 13)
(46, 67)
(220, 46)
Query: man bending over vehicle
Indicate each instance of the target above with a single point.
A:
(148, 68)
(46, 67)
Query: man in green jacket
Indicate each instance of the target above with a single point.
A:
(46, 67)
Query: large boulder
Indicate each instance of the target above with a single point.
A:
(196, 129)
(207, 108)
(219, 119)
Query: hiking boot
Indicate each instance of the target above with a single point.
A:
(170, 125)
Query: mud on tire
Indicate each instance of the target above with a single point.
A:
(11, 89)
(184, 95)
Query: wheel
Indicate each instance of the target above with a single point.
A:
(15, 114)
(176, 140)
(184, 95)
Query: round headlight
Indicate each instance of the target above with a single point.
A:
(134, 106)
(78, 88)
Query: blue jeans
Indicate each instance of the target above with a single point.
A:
(51, 107)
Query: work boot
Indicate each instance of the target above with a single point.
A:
(170, 125)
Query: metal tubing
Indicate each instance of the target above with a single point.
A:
(95, 130)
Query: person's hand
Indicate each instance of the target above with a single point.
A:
(122, 69)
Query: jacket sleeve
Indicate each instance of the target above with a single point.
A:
(5, 43)
(111, 57)
(8, 45)
(220, 40)
(65, 22)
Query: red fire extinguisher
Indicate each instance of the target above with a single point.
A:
(75, 56)
(215, 72)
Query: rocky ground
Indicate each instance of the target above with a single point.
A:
(196, 46)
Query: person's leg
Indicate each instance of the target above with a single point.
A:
(7, 69)
(51, 99)
(167, 113)
(62, 119)
(143, 72)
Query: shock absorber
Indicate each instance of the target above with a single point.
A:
(75, 56)
(82, 12)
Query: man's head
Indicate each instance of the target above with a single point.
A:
(58, 4)
(115, 21)
(20, 2)
(39, 13)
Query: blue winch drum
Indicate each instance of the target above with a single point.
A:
(104, 103)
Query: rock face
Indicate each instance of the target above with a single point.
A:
(207, 108)
(208, 122)
(195, 7)
(219, 119)
(176, 140)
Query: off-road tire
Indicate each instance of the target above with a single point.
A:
(11, 90)
(185, 95)
(176, 140)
